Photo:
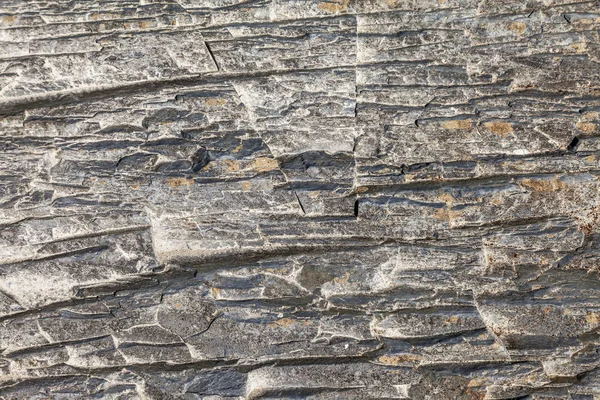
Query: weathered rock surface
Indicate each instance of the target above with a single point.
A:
(300, 199)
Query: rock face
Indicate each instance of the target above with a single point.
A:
(300, 199)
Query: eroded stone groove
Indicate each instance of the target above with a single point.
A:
(300, 199)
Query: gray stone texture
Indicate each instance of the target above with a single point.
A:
(300, 199)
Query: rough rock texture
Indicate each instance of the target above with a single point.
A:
(300, 199)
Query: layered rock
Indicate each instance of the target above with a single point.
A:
(311, 199)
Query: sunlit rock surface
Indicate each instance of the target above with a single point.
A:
(300, 199)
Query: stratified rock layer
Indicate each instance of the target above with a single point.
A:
(300, 199)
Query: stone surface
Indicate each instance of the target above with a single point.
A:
(300, 199)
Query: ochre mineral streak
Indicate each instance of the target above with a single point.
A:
(300, 199)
